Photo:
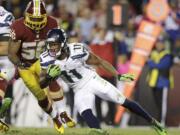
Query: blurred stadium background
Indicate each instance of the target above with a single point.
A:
(113, 29)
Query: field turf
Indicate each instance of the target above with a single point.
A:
(84, 131)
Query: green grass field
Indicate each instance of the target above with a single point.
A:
(84, 131)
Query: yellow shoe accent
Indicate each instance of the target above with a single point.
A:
(59, 129)
(67, 120)
(71, 124)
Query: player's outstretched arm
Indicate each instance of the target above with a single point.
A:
(97, 61)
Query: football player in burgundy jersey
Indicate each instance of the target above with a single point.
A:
(28, 42)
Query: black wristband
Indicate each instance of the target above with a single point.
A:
(119, 76)
(50, 78)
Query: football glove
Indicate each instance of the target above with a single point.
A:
(126, 77)
(53, 71)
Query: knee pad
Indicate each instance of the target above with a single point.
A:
(36, 90)
(40, 95)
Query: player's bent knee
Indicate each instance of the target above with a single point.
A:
(36, 91)
(40, 95)
(121, 99)
(116, 96)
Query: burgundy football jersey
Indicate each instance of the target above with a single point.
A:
(32, 43)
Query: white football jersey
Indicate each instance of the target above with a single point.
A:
(6, 67)
(6, 19)
(75, 71)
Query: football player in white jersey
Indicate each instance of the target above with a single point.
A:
(72, 62)
(7, 69)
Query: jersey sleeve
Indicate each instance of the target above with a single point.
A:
(79, 51)
(46, 60)
(6, 19)
(15, 33)
(52, 22)
(9, 19)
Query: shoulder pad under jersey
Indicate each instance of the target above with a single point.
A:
(78, 50)
(46, 60)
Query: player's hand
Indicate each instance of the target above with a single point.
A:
(126, 77)
(53, 71)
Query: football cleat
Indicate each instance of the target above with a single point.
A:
(58, 125)
(67, 120)
(159, 128)
(6, 103)
(95, 131)
(3, 126)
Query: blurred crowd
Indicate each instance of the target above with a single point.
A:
(86, 21)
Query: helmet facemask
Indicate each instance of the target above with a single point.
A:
(54, 48)
(35, 15)
(35, 23)
(56, 37)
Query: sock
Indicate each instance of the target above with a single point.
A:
(59, 105)
(90, 119)
(137, 109)
(53, 113)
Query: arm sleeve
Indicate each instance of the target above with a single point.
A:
(52, 22)
(15, 33)
(55, 24)
(45, 61)
(80, 52)
(9, 19)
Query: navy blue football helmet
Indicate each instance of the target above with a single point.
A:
(58, 36)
